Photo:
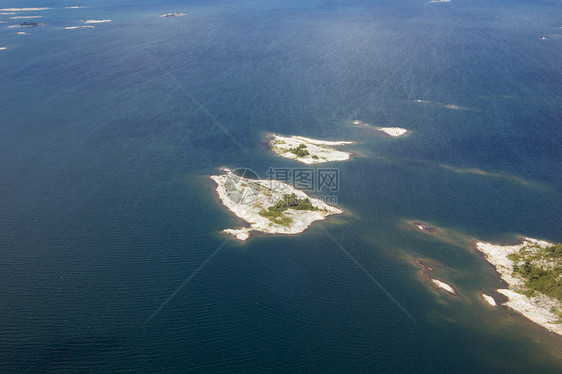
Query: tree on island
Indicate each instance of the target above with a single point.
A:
(293, 202)
(300, 151)
(541, 268)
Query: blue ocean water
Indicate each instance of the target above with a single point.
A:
(106, 207)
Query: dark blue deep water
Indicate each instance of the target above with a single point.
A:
(106, 206)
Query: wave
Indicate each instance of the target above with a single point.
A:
(79, 27)
(22, 9)
(23, 17)
(97, 21)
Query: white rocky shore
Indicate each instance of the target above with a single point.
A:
(444, 286)
(249, 199)
(312, 151)
(489, 299)
(392, 131)
(537, 308)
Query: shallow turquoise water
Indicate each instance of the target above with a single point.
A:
(107, 206)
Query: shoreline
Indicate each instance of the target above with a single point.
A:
(536, 308)
(489, 299)
(250, 199)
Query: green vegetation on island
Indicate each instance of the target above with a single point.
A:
(541, 268)
(300, 151)
(275, 212)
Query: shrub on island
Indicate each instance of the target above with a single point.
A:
(275, 213)
(300, 151)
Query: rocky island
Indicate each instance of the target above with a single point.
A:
(176, 14)
(29, 24)
(444, 286)
(306, 150)
(269, 206)
(533, 273)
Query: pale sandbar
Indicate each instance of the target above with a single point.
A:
(453, 106)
